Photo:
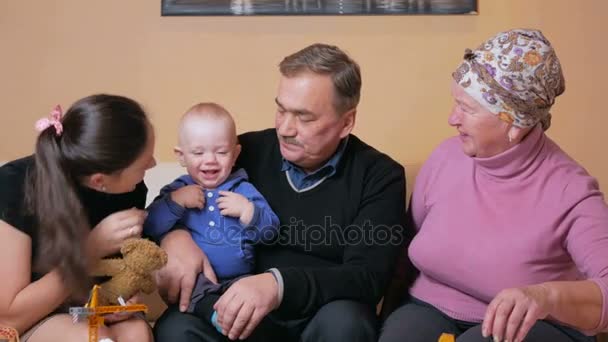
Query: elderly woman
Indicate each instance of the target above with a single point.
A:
(512, 234)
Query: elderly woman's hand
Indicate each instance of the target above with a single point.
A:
(513, 312)
(185, 261)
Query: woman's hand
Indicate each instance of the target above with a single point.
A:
(513, 312)
(121, 316)
(186, 260)
(107, 237)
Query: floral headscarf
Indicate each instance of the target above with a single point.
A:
(515, 75)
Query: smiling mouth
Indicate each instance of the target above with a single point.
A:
(209, 173)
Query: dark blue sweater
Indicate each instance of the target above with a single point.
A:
(339, 239)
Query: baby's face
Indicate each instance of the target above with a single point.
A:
(209, 151)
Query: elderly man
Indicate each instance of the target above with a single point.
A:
(341, 204)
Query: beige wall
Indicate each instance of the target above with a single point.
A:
(56, 51)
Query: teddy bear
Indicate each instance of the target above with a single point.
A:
(132, 273)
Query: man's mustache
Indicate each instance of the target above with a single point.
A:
(291, 141)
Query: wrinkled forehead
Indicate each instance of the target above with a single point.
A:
(461, 96)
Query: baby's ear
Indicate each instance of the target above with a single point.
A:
(180, 155)
(237, 151)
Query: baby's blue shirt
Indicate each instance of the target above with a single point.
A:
(228, 244)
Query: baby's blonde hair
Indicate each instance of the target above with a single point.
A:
(208, 111)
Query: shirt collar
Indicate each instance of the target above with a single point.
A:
(331, 165)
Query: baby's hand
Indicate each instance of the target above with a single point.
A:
(235, 205)
(190, 196)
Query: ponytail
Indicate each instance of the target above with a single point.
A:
(62, 225)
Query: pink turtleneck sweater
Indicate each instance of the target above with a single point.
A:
(526, 216)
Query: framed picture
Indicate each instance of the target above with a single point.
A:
(316, 7)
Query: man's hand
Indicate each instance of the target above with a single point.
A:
(513, 312)
(243, 306)
(185, 261)
(190, 196)
(235, 205)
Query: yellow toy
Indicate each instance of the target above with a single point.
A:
(94, 313)
(447, 338)
(132, 273)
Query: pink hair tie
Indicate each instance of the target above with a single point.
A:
(54, 119)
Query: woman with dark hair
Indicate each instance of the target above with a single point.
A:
(73, 202)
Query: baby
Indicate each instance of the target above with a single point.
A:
(225, 213)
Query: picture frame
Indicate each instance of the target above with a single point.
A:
(316, 7)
